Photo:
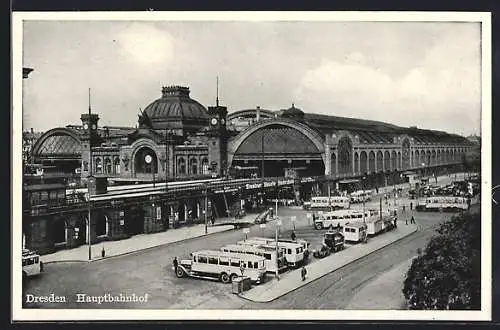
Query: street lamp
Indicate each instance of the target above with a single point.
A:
(278, 224)
(364, 198)
(149, 160)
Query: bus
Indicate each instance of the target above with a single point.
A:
(355, 232)
(340, 217)
(273, 262)
(294, 252)
(32, 265)
(329, 203)
(443, 203)
(224, 266)
(360, 196)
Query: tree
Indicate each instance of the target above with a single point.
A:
(447, 275)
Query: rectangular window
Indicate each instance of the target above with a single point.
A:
(256, 265)
(267, 256)
(213, 261)
(235, 264)
(250, 264)
(202, 259)
(289, 251)
(297, 250)
(224, 262)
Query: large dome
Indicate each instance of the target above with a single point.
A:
(175, 109)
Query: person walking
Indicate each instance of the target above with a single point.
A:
(406, 220)
(412, 221)
(176, 263)
(303, 273)
(293, 236)
(404, 207)
(411, 206)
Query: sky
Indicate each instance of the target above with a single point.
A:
(424, 74)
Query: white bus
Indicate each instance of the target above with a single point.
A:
(273, 262)
(329, 203)
(339, 218)
(443, 203)
(294, 252)
(224, 266)
(32, 265)
(374, 226)
(355, 232)
(360, 195)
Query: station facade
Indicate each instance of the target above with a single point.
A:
(179, 139)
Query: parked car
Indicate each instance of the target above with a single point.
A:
(321, 251)
(334, 240)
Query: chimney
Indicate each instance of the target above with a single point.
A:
(258, 114)
(31, 130)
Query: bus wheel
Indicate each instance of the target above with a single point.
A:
(319, 226)
(224, 278)
(233, 277)
(180, 272)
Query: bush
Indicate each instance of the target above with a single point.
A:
(447, 275)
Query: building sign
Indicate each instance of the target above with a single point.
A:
(286, 182)
(249, 186)
(307, 179)
(269, 184)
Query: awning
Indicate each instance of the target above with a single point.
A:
(349, 181)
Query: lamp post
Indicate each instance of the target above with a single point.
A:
(364, 198)
(149, 160)
(278, 224)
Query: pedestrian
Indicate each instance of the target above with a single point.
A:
(406, 220)
(293, 236)
(176, 263)
(404, 207)
(303, 272)
(213, 219)
(411, 206)
(395, 222)
(412, 221)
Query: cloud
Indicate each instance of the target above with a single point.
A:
(446, 82)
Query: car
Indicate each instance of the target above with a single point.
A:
(321, 251)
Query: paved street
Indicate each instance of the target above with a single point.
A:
(150, 272)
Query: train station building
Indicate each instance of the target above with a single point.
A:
(178, 139)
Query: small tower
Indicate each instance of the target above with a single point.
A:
(217, 134)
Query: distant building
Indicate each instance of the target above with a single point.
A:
(29, 139)
(474, 139)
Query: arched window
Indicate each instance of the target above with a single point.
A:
(334, 163)
(85, 166)
(387, 161)
(181, 166)
(193, 165)
(344, 150)
(117, 165)
(363, 162)
(204, 166)
(380, 161)
(98, 165)
(108, 167)
(406, 154)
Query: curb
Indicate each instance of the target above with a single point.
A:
(319, 277)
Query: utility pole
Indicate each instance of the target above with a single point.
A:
(206, 209)
(89, 236)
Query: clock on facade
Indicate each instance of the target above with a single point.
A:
(214, 121)
(85, 126)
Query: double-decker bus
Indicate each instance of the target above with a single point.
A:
(224, 266)
(294, 252)
(329, 203)
(443, 203)
(274, 261)
(32, 265)
(339, 218)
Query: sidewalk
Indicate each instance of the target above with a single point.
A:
(291, 280)
(135, 243)
(385, 292)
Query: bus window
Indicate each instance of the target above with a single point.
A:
(250, 264)
(256, 264)
(213, 261)
(24, 262)
(224, 262)
(267, 256)
(289, 251)
(202, 259)
(235, 264)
